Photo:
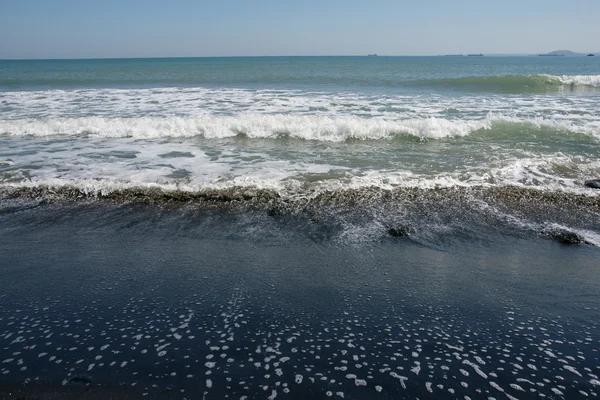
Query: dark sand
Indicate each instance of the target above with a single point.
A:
(103, 301)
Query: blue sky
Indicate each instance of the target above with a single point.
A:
(155, 28)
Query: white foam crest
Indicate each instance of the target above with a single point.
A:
(576, 80)
(288, 185)
(398, 179)
(95, 187)
(308, 127)
(187, 111)
(105, 186)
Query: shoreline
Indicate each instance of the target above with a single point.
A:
(152, 194)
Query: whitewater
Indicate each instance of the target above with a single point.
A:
(198, 137)
(300, 126)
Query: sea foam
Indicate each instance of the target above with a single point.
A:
(576, 80)
(264, 126)
(252, 126)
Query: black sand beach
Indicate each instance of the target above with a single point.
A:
(103, 300)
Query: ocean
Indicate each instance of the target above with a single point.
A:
(300, 227)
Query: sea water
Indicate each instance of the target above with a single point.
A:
(313, 122)
(300, 227)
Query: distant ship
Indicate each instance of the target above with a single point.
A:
(551, 55)
(475, 55)
(372, 55)
(454, 55)
(591, 55)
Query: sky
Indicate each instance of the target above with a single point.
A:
(183, 28)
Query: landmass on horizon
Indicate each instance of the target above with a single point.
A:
(555, 53)
(559, 53)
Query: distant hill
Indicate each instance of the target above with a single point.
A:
(559, 53)
(565, 53)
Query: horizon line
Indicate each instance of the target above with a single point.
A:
(276, 56)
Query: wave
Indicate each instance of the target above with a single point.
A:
(251, 126)
(516, 83)
(413, 212)
(308, 127)
(508, 181)
(577, 80)
(105, 190)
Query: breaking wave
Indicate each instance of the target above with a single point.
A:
(517, 83)
(256, 126)
(576, 80)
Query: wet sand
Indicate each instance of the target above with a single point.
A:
(100, 301)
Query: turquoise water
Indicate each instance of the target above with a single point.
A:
(340, 73)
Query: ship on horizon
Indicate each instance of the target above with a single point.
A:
(475, 55)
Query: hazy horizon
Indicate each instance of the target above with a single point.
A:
(271, 56)
(66, 29)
